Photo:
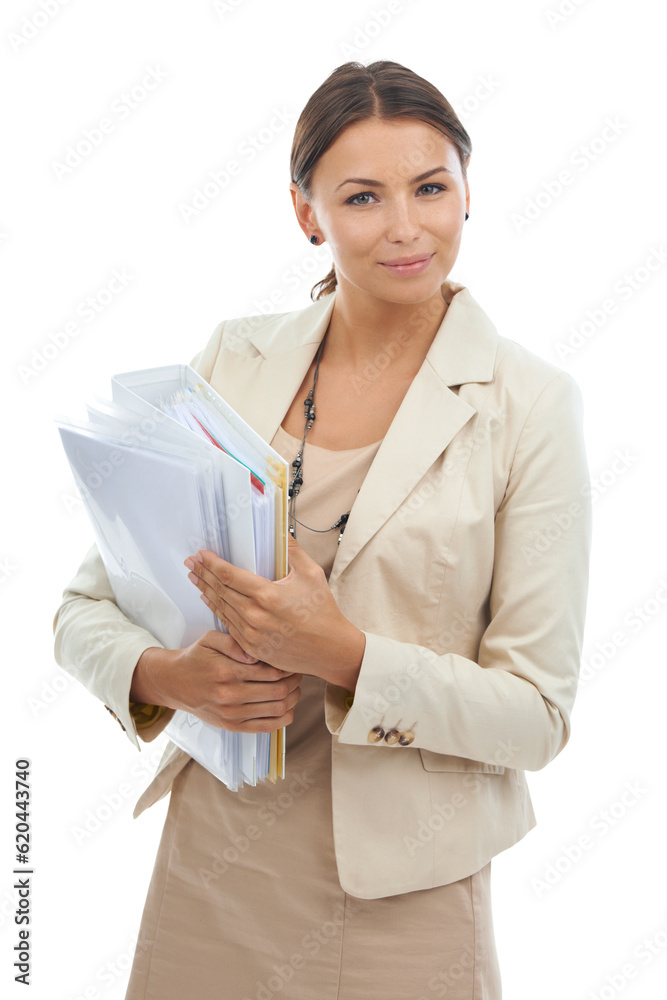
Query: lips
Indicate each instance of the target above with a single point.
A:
(408, 265)
(407, 260)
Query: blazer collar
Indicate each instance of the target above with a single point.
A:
(429, 416)
(463, 349)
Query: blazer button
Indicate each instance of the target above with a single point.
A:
(376, 734)
(392, 737)
(406, 738)
(116, 718)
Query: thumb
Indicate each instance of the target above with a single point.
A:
(295, 554)
(294, 550)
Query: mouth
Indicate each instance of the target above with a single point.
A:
(408, 265)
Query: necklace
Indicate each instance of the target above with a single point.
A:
(297, 464)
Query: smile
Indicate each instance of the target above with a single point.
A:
(414, 268)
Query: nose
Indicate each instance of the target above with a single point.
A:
(403, 225)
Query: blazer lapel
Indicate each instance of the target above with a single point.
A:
(287, 345)
(429, 416)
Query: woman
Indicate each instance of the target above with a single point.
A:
(423, 650)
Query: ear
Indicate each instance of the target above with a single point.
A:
(304, 211)
(466, 186)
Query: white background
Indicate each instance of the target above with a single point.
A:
(534, 92)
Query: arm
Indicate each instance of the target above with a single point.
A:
(97, 644)
(512, 705)
(118, 661)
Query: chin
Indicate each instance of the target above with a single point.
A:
(399, 289)
(388, 287)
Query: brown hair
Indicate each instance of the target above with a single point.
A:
(354, 93)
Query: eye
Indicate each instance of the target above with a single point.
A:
(369, 194)
(362, 194)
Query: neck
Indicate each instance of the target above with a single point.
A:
(392, 336)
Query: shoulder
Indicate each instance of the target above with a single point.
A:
(528, 373)
(475, 351)
(515, 380)
(257, 334)
(541, 404)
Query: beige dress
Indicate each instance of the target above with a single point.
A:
(245, 902)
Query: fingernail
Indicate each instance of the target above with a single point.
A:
(205, 599)
(189, 563)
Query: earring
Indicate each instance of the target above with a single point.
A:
(467, 216)
(313, 238)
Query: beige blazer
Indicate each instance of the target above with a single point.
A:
(465, 563)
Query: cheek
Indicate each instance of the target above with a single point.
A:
(447, 220)
(449, 232)
(354, 238)
(451, 239)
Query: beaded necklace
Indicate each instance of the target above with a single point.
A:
(297, 464)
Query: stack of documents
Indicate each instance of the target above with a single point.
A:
(165, 469)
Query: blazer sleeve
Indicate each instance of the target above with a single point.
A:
(96, 643)
(512, 705)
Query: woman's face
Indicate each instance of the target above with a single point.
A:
(372, 203)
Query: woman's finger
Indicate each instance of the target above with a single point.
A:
(254, 691)
(228, 615)
(225, 574)
(234, 651)
(253, 669)
(261, 708)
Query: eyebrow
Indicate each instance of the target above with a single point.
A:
(370, 183)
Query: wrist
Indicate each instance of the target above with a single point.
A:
(147, 680)
(348, 664)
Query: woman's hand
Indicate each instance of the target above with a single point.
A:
(215, 680)
(293, 623)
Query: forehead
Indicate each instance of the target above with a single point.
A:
(386, 149)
